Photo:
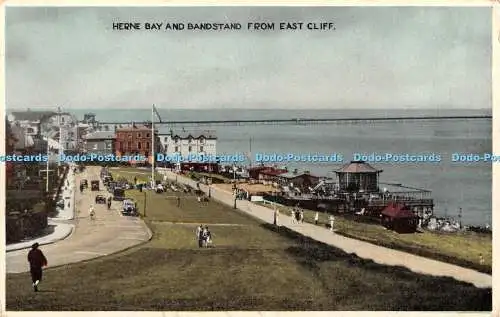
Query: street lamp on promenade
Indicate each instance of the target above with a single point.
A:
(235, 187)
(145, 203)
(235, 196)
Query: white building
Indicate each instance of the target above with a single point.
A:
(186, 143)
(69, 137)
(29, 120)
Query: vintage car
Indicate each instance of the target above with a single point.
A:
(100, 199)
(94, 185)
(84, 183)
(118, 193)
(60, 204)
(129, 208)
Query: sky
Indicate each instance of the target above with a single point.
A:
(407, 57)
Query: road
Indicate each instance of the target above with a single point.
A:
(109, 233)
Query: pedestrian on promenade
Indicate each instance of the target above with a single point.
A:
(316, 218)
(199, 235)
(332, 220)
(301, 216)
(292, 214)
(178, 201)
(92, 212)
(37, 260)
(275, 221)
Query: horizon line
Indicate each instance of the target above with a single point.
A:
(220, 108)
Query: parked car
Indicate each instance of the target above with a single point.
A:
(118, 193)
(94, 185)
(100, 199)
(60, 204)
(84, 183)
(129, 208)
(106, 179)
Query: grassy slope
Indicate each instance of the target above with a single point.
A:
(251, 267)
(461, 249)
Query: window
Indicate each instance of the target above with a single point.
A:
(190, 140)
(139, 145)
(129, 145)
(165, 139)
(176, 149)
(94, 147)
(190, 148)
(148, 135)
(130, 135)
(201, 148)
(202, 140)
(147, 145)
(139, 135)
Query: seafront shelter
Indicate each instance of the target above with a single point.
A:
(358, 176)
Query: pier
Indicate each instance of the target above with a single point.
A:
(304, 121)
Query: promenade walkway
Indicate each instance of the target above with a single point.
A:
(109, 233)
(362, 249)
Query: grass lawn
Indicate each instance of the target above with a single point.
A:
(252, 266)
(462, 249)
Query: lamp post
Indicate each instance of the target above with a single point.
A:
(145, 202)
(209, 187)
(47, 167)
(60, 150)
(235, 195)
(235, 187)
(460, 217)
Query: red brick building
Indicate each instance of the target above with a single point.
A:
(136, 140)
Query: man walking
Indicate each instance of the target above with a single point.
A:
(316, 218)
(37, 260)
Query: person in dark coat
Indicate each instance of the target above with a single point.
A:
(37, 260)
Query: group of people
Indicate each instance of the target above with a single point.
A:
(297, 215)
(204, 236)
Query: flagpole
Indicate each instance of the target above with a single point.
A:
(153, 146)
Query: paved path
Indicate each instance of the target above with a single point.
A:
(362, 249)
(109, 233)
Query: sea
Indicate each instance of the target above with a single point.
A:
(454, 185)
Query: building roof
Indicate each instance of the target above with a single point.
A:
(193, 134)
(273, 172)
(100, 135)
(291, 175)
(258, 168)
(135, 127)
(31, 115)
(395, 210)
(358, 167)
